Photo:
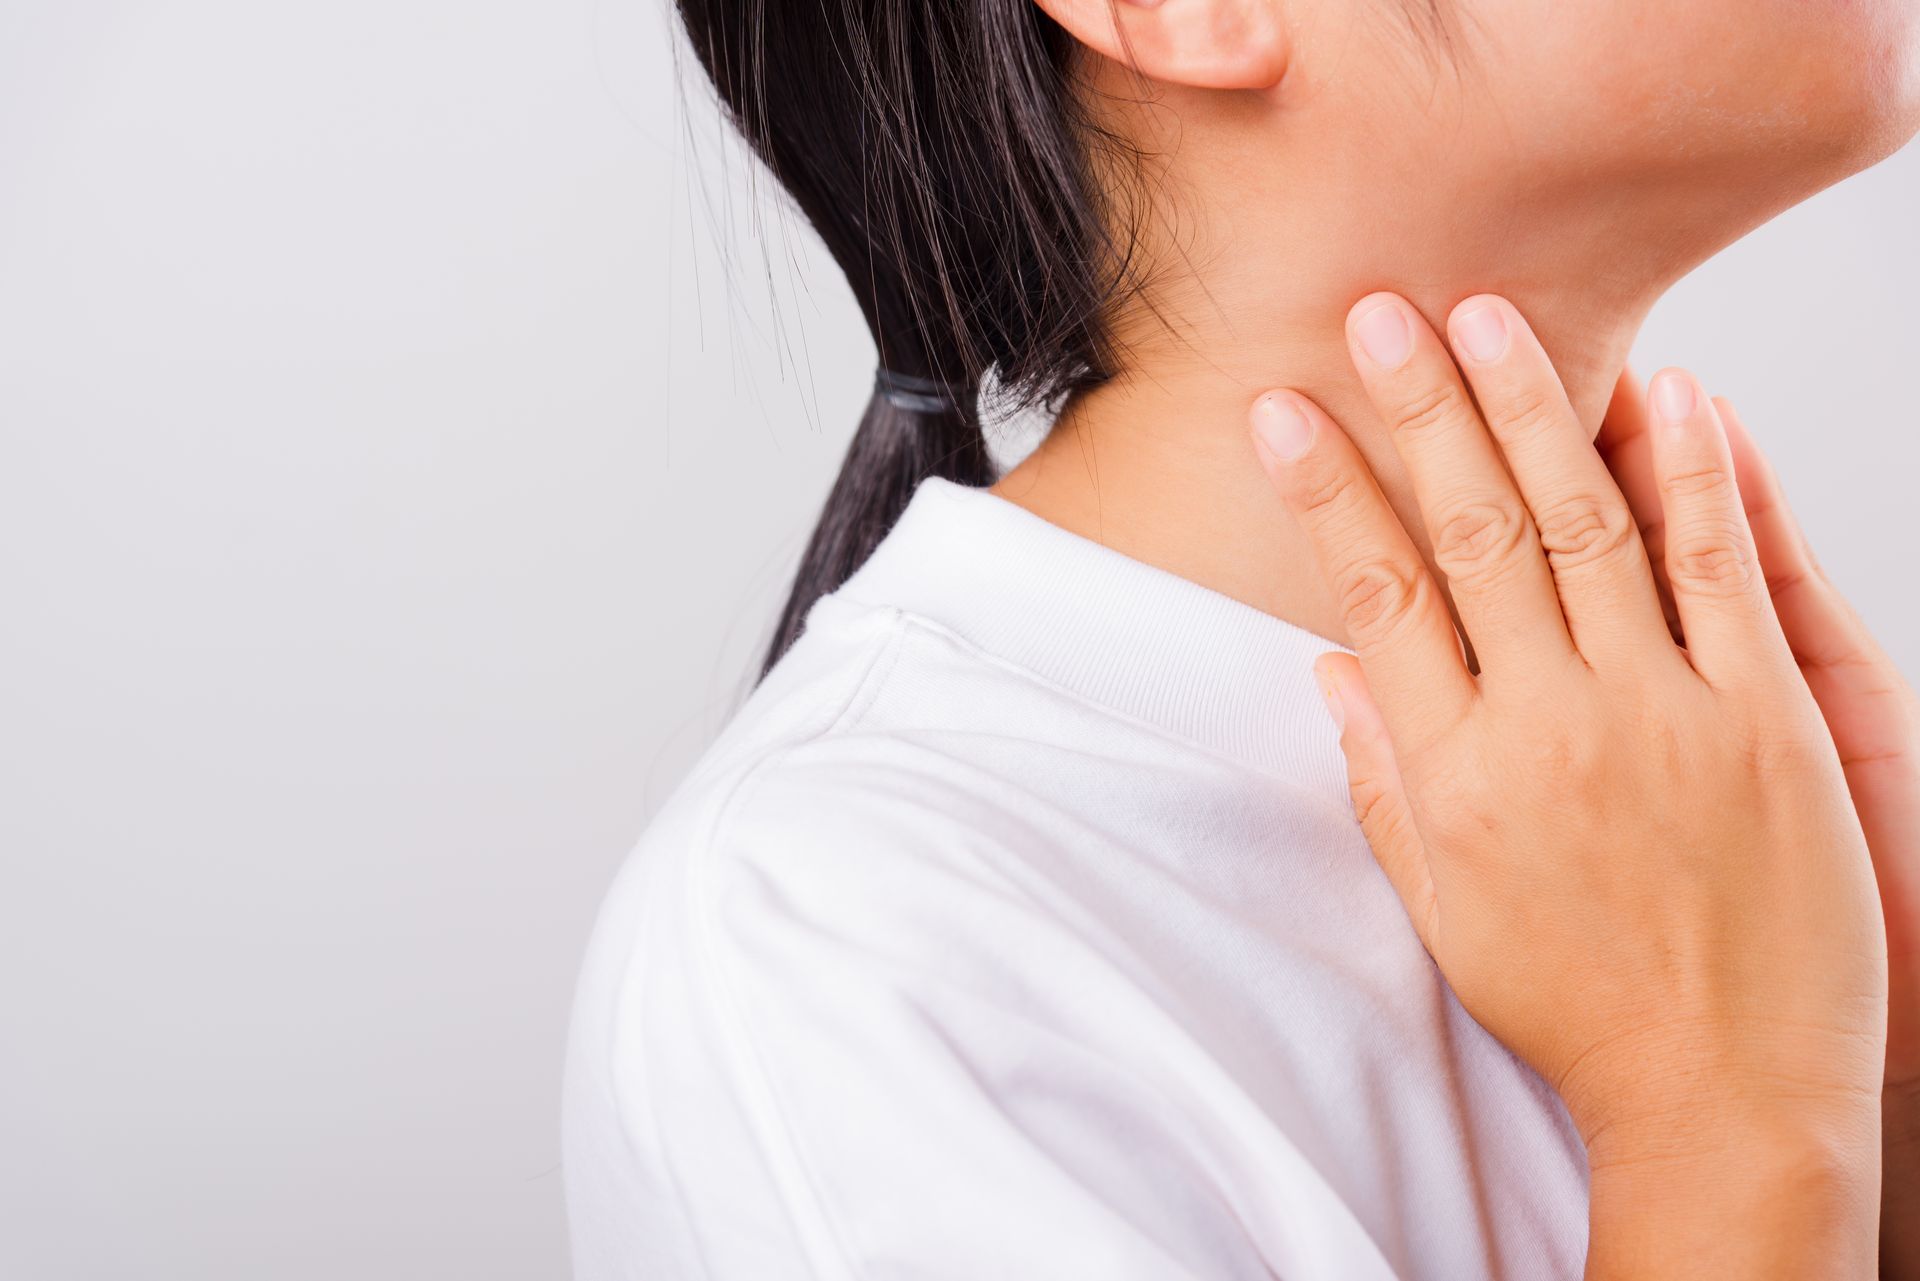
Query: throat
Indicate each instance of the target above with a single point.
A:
(1157, 465)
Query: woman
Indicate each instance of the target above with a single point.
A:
(1019, 924)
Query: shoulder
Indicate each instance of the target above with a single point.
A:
(879, 746)
(851, 786)
(856, 975)
(864, 828)
(855, 842)
(843, 970)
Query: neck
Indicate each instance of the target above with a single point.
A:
(1157, 463)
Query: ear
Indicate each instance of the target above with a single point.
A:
(1207, 44)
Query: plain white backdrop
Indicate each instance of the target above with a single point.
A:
(404, 436)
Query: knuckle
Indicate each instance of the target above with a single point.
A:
(1326, 492)
(1430, 408)
(1524, 412)
(1377, 597)
(1763, 507)
(1479, 538)
(1370, 804)
(1775, 753)
(1698, 482)
(1710, 562)
(1579, 530)
(1563, 754)
(1782, 581)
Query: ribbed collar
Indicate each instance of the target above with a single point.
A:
(1113, 630)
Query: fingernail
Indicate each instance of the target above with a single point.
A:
(1282, 427)
(1482, 332)
(1334, 709)
(1674, 397)
(1385, 335)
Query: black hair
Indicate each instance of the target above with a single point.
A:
(940, 150)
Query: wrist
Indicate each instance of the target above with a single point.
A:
(1779, 1193)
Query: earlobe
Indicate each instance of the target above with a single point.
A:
(1206, 44)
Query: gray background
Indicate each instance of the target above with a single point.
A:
(407, 417)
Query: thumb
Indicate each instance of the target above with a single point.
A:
(1379, 797)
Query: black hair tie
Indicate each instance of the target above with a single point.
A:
(920, 395)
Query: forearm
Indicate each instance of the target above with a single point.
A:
(1752, 1202)
(1900, 1191)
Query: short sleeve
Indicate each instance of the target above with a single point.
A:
(954, 1074)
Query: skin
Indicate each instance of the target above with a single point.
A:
(1874, 718)
(1577, 157)
(1723, 1051)
(1573, 158)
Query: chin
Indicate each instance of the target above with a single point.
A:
(1874, 93)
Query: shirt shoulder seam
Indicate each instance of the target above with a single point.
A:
(908, 619)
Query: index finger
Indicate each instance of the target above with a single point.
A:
(1395, 617)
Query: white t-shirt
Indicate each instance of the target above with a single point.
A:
(1018, 927)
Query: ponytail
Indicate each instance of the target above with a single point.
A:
(938, 150)
(900, 442)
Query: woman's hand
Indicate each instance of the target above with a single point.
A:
(1637, 865)
(1875, 722)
